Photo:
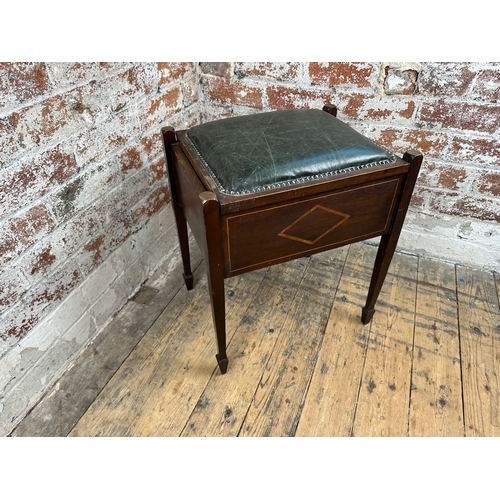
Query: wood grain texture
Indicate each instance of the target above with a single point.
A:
(221, 409)
(382, 408)
(169, 385)
(164, 377)
(479, 320)
(280, 394)
(331, 399)
(436, 390)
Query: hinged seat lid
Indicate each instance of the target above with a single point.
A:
(253, 153)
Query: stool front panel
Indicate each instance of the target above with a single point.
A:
(292, 229)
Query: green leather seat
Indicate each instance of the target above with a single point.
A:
(252, 153)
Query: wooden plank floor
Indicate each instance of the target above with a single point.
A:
(301, 362)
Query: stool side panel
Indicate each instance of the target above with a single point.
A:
(189, 189)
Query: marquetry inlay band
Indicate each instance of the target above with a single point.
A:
(312, 226)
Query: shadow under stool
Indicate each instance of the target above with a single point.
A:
(270, 187)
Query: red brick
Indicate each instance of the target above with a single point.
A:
(13, 286)
(59, 166)
(21, 81)
(462, 116)
(51, 292)
(9, 142)
(375, 108)
(280, 97)
(477, 208)
(130, 159)
(151, 146)
(456, 204)
(136, 156)
(18, 323)
(341, 73)
(34, 223)
(429, 174)
(39, 301)
(83, 190)
(170, 72)
(184, 119)
(106, 67)
(159, 170)
(44, 261)
(95, 249)
(429, 143)
(117, 233)
(126, 195)
(488, 85)
(119, 90)
(159, 108)
(111, 132)
(149, 206)
(102, 245)
(445, 79)
(489, 183)
(213, 110)
(442, 201)
(417, 200)
(70, 73)
(82, 227)
(452, 177)
(63, 242)
(483, 151)
(232, 91)
(9, 247)
(283, 71)
(222, 69)
(36, 125)
(32, 177)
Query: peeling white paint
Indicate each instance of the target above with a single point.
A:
(452, 239)
(47, 351)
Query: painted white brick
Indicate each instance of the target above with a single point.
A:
(123, 257)
(27, 390)
(35, 362)
(98, 281)
(467, 242)
(108, 304)
(161, 250)
(82, 331)
(128, 282)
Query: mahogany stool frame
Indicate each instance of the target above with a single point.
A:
(364, 203)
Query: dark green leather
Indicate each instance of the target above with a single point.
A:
(252, 153)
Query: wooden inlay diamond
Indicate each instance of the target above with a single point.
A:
(315, 224)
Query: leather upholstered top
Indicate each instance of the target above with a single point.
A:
(252, 153)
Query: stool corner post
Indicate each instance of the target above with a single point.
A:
(330, 108)
(413, 155)
(415, 159)
(169, 135)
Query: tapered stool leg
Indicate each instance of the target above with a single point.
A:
(389, 241)
(215, 273)
(169, 138)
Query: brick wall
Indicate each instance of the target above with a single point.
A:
(81, 171)
(82, 177)
(449, 111)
